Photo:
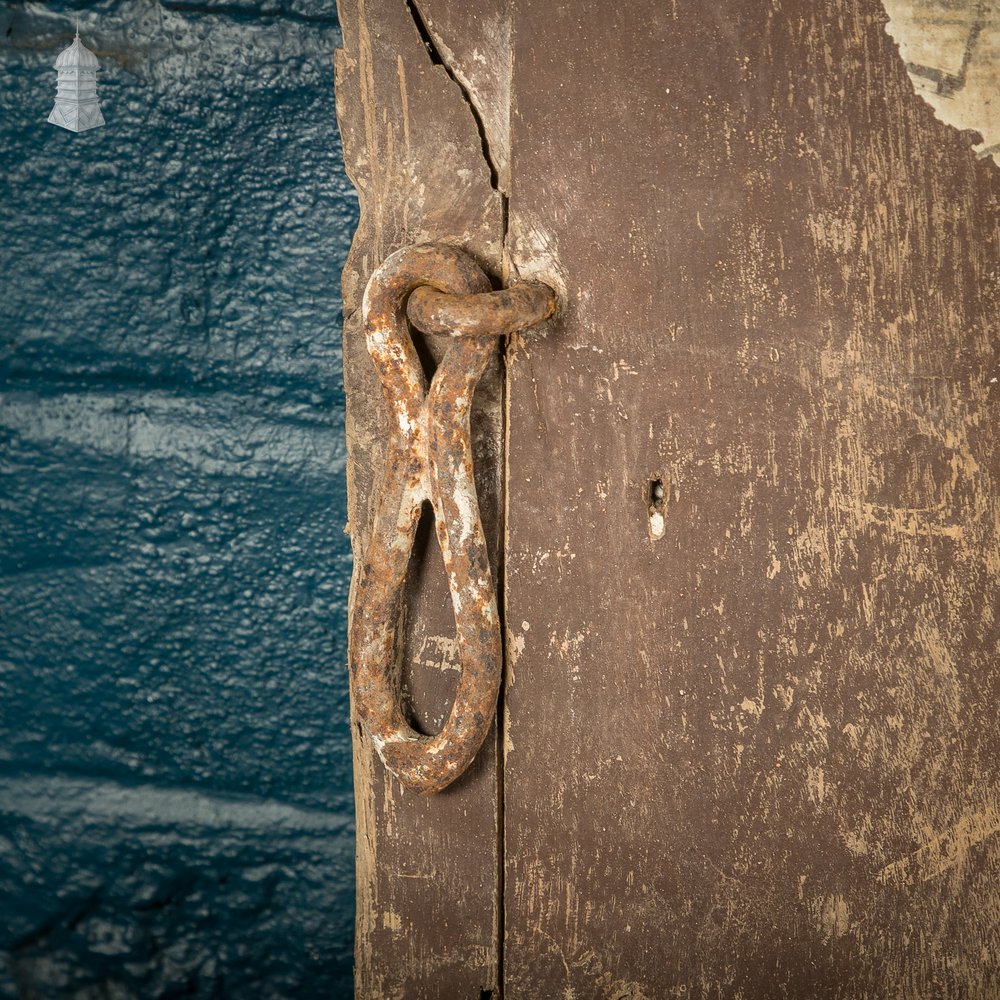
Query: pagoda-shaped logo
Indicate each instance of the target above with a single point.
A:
(76, 106)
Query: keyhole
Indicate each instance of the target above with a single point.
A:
(656, 506)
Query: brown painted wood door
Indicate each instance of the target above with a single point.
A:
(743, 499)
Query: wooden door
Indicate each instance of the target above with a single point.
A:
(749, 737)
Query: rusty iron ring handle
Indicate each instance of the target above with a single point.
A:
(492, 314)
(429, 457)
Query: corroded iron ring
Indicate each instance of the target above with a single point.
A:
(429, 457)
(493, 314)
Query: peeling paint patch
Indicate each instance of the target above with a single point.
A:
(952, 54)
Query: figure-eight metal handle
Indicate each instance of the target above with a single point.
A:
(429, 457)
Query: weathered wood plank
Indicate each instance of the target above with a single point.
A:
(427, 923)
(755, 757)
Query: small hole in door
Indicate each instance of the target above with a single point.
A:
(656, 506)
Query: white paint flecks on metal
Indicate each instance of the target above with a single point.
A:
(76, 106)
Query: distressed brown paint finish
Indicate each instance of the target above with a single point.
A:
(757, 756)
(750, 751)
(427, 889)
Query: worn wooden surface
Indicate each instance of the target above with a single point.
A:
(758, 756)
(428, 896)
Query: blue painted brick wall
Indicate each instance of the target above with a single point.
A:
(175, 774)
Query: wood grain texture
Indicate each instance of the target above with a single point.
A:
(757, 757)
(428, 903)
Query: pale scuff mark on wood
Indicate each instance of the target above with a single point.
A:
(603, 983)
(439, 652)
(833, 915)
(945, 851)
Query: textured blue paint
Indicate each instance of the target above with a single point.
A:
(175, 780)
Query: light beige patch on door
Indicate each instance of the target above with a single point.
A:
(952, 53)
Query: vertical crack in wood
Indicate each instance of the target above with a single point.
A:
(434, 51)
(502, 735)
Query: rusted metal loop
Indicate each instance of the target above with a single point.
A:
(428, 457)
(490, 314)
